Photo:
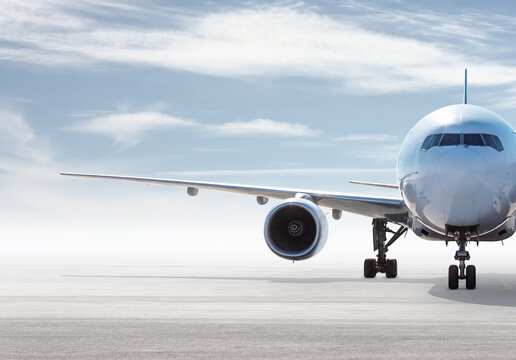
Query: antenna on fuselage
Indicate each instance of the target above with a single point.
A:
(465, 86)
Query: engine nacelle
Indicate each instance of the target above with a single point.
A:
(296, 229)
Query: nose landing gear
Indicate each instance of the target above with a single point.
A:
(382, 264)
(462, 272)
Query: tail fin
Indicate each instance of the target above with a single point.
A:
(465, 86)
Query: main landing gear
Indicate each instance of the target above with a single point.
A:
(381, 263)
(456, 273)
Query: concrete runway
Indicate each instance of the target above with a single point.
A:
(291, 312)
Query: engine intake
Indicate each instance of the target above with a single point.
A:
(296, 229)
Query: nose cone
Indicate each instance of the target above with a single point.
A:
(461, 172)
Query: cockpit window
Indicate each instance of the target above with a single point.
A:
(424, 147)
(450, 140)
(473, 140)
(499, 145)
(493, 141)
(436, 139)
(462, 139)
(489, 140)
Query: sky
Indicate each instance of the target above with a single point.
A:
(281, 93)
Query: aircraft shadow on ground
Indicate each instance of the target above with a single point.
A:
(492, 289)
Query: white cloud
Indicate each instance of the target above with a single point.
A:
(367, 137)
(306, 143)
(27, 165)
(258, 127)
(127, 128)
(258, 41)
(215, 150)
(504, 100)
(380, 153)
(18, 142)
(471, 26)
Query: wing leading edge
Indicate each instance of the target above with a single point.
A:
(392, 209)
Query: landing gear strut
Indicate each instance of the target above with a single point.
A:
(381, 263)
(462, 272)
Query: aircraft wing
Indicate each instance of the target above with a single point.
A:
(392, 209)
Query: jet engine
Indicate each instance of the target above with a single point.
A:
(296, 229)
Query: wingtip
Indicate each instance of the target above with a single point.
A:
(70, 174)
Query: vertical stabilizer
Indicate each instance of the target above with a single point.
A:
(465, 86)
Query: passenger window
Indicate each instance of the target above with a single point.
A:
(424, 147)
(450, 140)
(473, 140)
(498, 143)
(435, 140)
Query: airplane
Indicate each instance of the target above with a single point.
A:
(456, 174)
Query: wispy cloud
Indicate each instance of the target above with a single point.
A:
(380, 153)
(258, 41)
(505, 99)
(306, 143)
(264, 172)
(18, 141)
(27, 164)
(127, 128)
(367, 137)
(215, 150)
(258, 127)
(472, 27)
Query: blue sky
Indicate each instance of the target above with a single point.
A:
(275, 93)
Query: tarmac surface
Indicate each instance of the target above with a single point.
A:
(243, 312)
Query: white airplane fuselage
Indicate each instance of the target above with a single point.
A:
(456, 173)
(460, 186)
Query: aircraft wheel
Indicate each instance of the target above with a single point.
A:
(453, 277)
(471, 277)
(391, 268)
(369, 268)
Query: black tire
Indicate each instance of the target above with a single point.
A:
(391, 268)
(453, 277)
(369, 268)
(471, 277)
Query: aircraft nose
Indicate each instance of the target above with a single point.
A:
(461, 172)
